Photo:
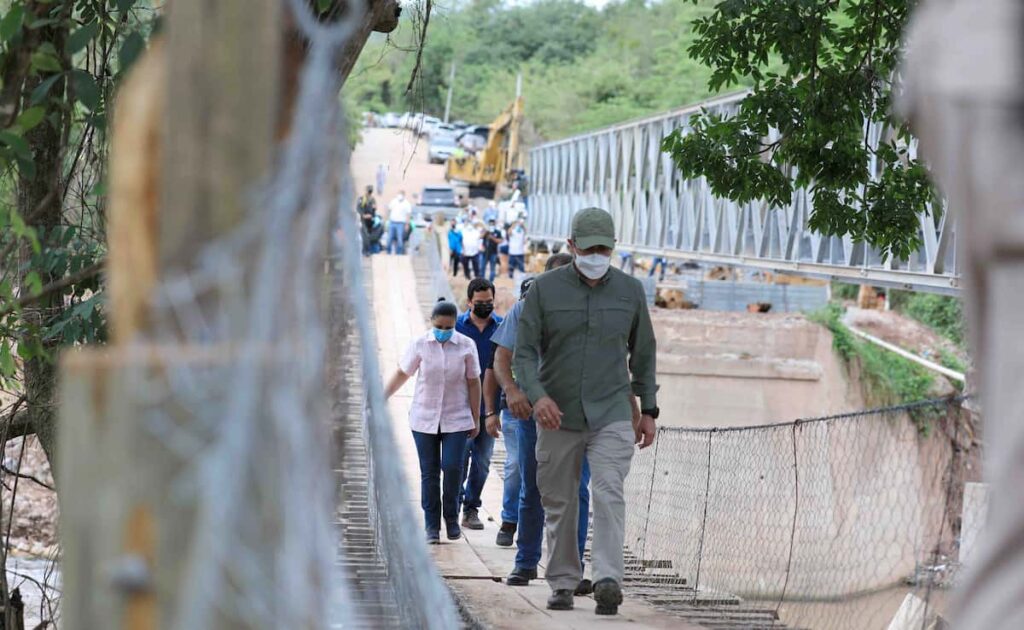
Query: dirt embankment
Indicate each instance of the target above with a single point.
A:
(906, 333)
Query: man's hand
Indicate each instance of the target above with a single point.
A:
(518, 403)
(547, 414)
(493, 425)
(645, 431)
(475, 431)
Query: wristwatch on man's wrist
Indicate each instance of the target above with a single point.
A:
(653, 412)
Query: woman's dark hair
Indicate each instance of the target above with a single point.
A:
(444, 308)
(477, 285)
(560, 259)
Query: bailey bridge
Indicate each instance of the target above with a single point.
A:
(660, 213)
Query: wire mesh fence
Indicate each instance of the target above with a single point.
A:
(827, 523)
(410, 588)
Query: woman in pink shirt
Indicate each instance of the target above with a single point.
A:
(444, 414)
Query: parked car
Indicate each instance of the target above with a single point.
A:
(440, 149)
(428, 124)
(444, 129)
(406, 120)
(389, 120)
(438, 200)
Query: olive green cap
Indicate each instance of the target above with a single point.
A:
(593, 226)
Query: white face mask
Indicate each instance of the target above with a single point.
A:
(593, 266)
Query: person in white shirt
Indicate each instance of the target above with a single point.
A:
(516, 247)
(399, 212)
(472, 241)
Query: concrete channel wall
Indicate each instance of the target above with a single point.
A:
(739, 369)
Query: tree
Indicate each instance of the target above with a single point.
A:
(60, 62)
(820, 69)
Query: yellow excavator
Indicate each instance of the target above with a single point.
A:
(495, 166)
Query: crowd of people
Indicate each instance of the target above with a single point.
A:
(568, 375)
(478, 241)
(397, 232)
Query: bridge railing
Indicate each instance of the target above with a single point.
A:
(829, 522)
(658, 212)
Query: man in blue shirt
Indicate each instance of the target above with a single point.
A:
(490, 213)
(455, 248)
(478, 323)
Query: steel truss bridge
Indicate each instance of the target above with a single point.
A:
(659, 213)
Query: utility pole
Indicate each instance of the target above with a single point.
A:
(451, 86)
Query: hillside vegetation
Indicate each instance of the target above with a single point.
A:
(582, 67)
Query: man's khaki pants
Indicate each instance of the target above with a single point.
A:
(559, 465)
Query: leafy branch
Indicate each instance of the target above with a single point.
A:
(821, 70)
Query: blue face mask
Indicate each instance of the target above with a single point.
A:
(443, 335)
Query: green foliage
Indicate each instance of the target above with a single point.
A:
(845, 290)
(950, 360)
(942, 313)
(886, 377)
(819, 69)
(582, 68)
(843, 341)
(57, 105)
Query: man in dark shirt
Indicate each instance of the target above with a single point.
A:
(493, 239)
(478, 323)
(366, 206)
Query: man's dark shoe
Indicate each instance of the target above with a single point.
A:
(560, 600)
(433, 536)
(453, 529)
(585, 587)
(521, 577)
(506, 534)
(608, 596)
(470, 520)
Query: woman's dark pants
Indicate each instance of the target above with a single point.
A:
(440, 453)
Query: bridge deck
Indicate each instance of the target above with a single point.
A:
(474, 565)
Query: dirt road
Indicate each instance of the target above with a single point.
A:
(405, 157)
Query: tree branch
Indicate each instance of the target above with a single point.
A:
(27, 477)
(58, 285)
(17, 424)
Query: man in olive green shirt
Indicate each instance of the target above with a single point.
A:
(585, 347)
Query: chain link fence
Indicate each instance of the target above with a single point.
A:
(825, 523)
(391, 575)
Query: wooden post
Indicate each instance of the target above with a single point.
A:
(194, 132)
(195, 129)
